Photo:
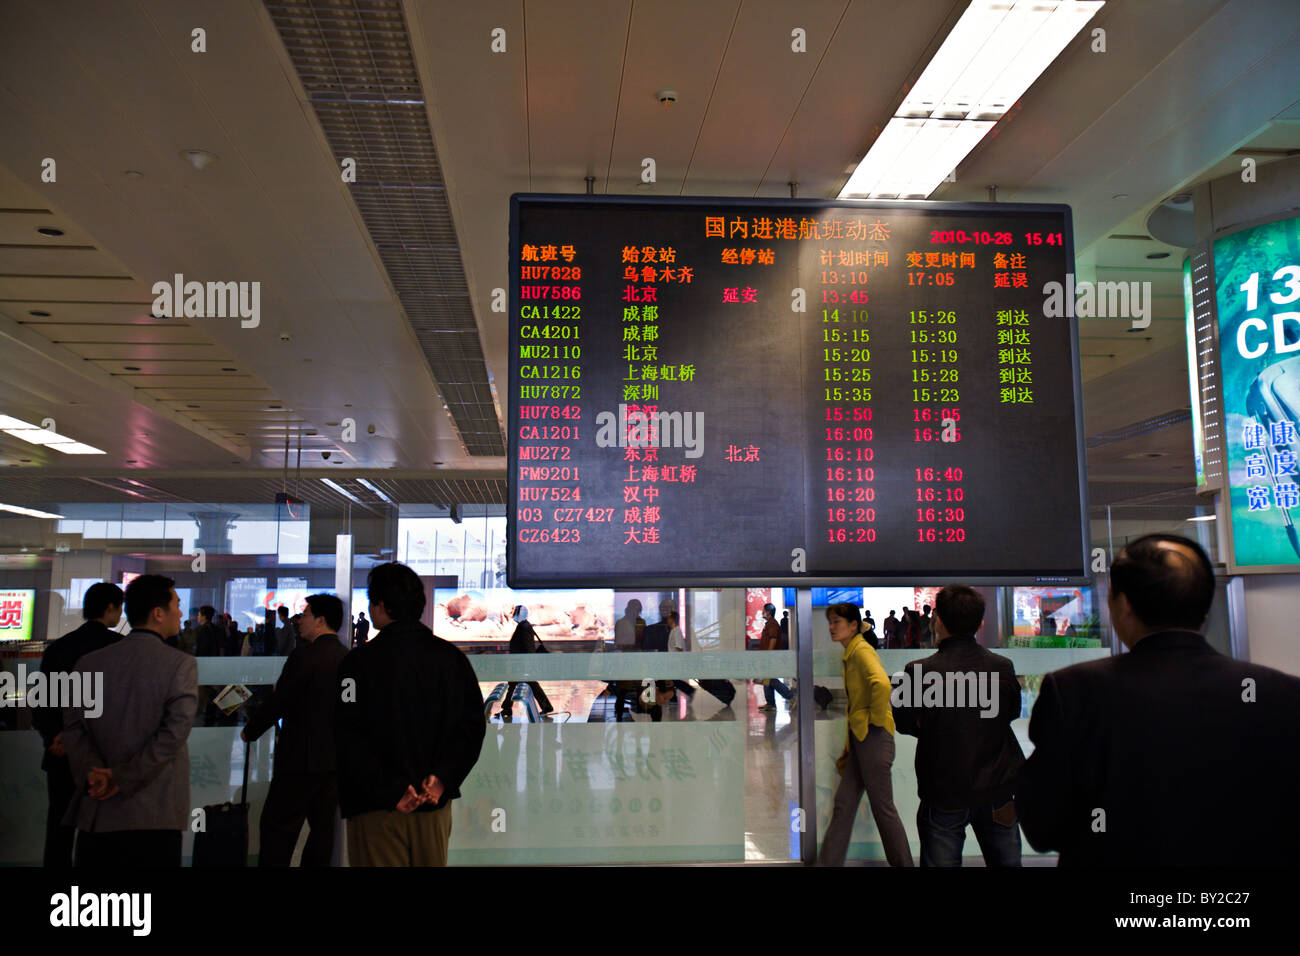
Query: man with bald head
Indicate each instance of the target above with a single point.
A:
(1170, 754)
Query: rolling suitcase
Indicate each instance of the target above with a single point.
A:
(224, 840)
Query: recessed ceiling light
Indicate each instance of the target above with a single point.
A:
(1157, 255)
(228, 368)
(331, 424)
(132, 174)
(200, 159)
(38, 313)
(47, 231)
(347, 404)
(1120, 196)
(191, 406)
(131, 368)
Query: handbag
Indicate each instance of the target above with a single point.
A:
(539, 647)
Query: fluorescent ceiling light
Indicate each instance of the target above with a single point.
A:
(29, 512)
(1205, 518)
(341, 490)
(995, 52)
(362, 481)
(77, 448)
(35, 435)
(914, 157)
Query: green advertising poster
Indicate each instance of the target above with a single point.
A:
(1257, 276)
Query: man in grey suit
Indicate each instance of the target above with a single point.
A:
(131, 764)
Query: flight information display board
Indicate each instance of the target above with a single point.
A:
(800, 392)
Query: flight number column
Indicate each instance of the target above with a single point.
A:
(550, 400)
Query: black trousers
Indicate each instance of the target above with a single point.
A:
(292, 799)
(58, 838)
(128, 849)
(543, 702)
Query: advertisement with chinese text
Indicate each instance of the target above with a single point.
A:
(1257, 274)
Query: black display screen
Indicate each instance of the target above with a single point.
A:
(791, 391)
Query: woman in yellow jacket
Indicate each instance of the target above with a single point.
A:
(868, 758)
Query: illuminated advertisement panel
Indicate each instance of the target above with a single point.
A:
(1257, 278)
(17, 608)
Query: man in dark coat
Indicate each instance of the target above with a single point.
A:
(409, 726)
(305, 784)
(959, 703)
(102, 610)
(1170, 754)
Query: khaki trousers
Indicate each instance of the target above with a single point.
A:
(392, 838)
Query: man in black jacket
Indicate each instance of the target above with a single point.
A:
(959, 703)
(305, 785)
(210, 639)
(1171, 754)
(410, 727)
(102, 610)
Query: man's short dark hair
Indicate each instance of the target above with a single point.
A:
(283, 612)
(145, 593)
(329, 607)
(208, 611)
(398, 589)
(99, 598)
(1165, 587)
(848, 612)
(961, 608)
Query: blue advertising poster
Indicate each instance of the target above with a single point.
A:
(1257, 275)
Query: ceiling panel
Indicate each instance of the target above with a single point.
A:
(81, 312)
(125, 352)
(105, 287)
(156, 332)
(187, 367)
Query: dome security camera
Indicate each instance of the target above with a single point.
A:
(325, 455)
(666, 97)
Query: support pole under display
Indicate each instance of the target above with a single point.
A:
(808, 745)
